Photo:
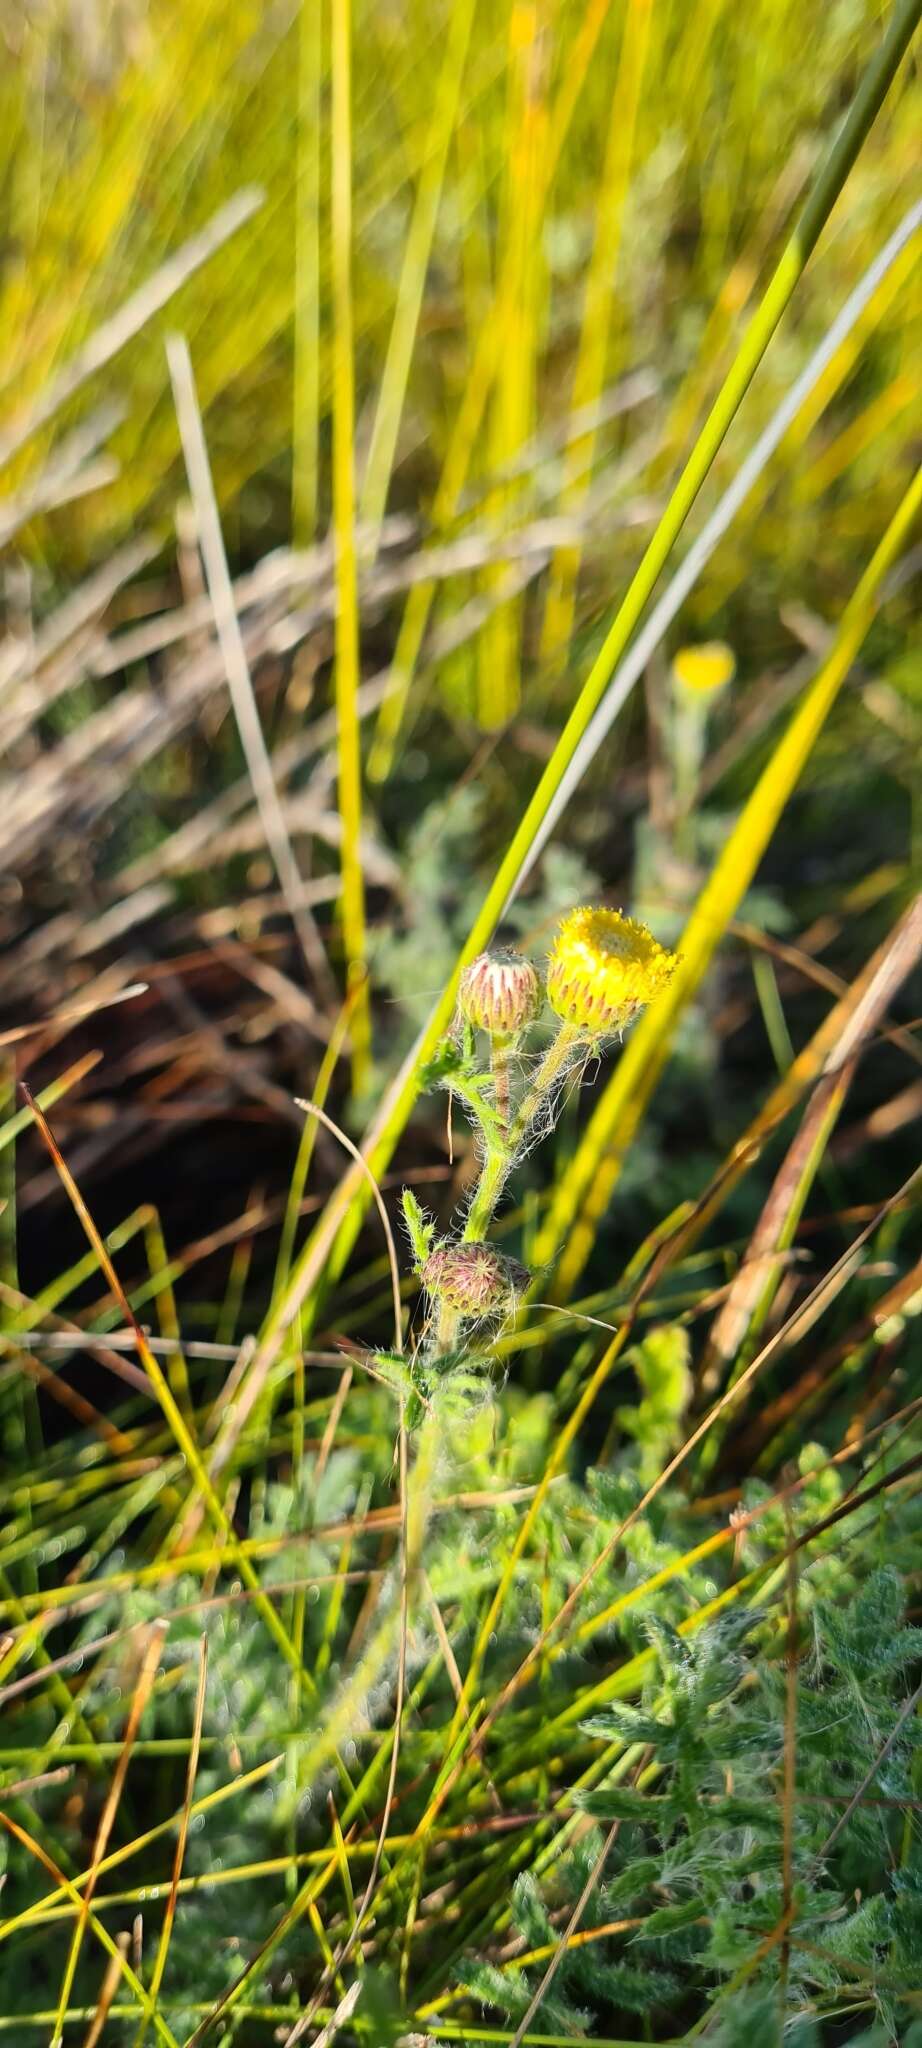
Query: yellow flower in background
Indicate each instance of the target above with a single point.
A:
(603, 968)
(704, 669)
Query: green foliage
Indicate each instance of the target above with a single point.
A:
(420, 1230)
(709, 1805)
(687, 1754)
(655, 1421)
(456, 1068)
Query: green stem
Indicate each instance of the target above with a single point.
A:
(499, 1061)
(446, 1328)
(500, 1157)
(499, 1161)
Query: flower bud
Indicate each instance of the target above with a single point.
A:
(604, 968)
(500, 993)
(473, 1277)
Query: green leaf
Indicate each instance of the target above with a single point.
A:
(420, 1228)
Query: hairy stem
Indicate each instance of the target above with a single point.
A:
(499, 1061)
(501, 1153)
(500, 1160)
(446, 1326)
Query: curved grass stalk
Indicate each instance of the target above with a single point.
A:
(50, 1905)
(585, 1189)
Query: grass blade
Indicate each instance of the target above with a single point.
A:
(230, 638)
(306, 410)
(347, 603)
(589, 376)
(373, 497)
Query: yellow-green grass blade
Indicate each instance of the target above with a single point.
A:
(836, 372)
(162, 1276)
(492, 338)
(49, 1905)
(349, 764)
(173, 1415)
(102, 1934)
(512, 415)
(305, 1153)
(14, 1125)
(395, 377)
(862, 434)
(831, 177)
(306, 409)
(589, 375)
(29, 1644)
(149, 1663)
(584, 1191)
(167, 1926)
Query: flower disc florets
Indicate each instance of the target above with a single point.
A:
(473, 1277)
(603, 968)
(500, 993)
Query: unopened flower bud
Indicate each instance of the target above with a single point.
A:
(473, 1277)
(603, 968)
(500, 993)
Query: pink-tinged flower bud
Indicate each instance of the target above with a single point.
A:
(500, 993)
(473, 1278)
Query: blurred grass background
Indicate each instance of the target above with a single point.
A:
(613, 179)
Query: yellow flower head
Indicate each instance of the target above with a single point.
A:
(704, 670)
(603, 968)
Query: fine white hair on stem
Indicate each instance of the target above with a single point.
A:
(701, 550)
(230, 640)
(546, 1113)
